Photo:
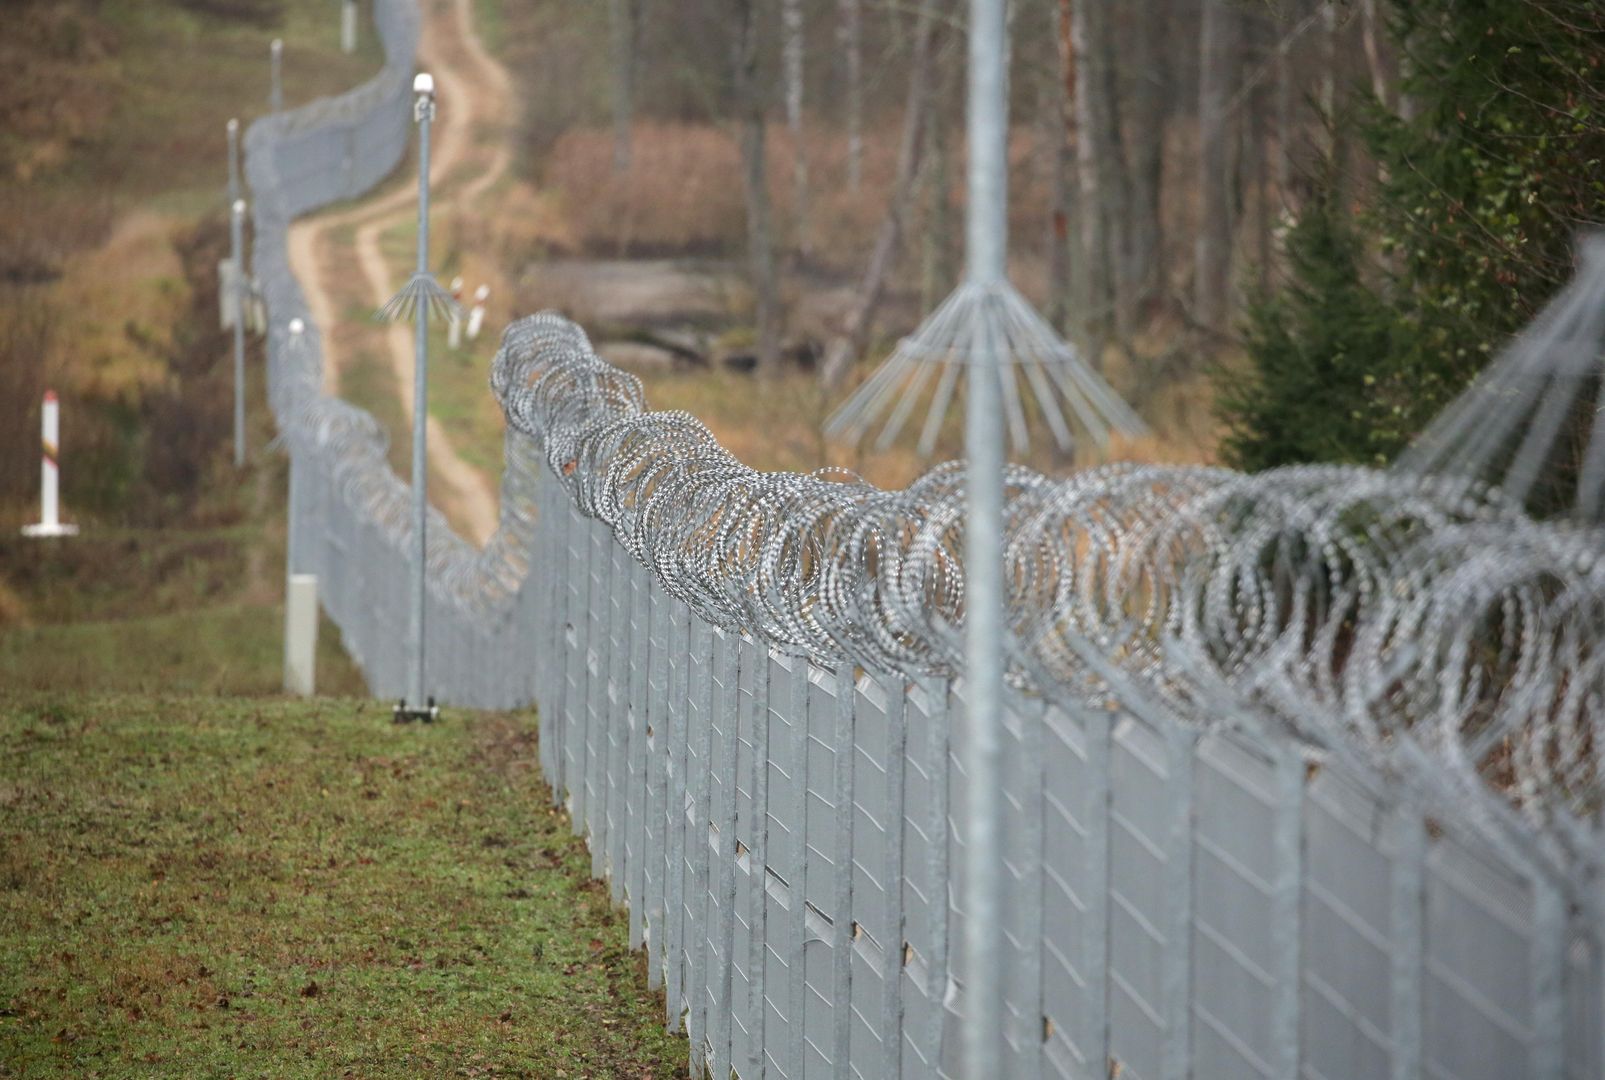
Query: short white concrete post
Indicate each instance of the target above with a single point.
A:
(476, 317)
(454, 325)
(300, 634)
(50, 523)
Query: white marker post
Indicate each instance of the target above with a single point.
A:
(476, 317)
(348, 26)
(300, 634)
(454, 325)
(50, 523)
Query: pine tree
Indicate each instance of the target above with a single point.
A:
(1485, 184)
(1310, 391)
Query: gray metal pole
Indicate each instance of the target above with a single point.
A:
(233, 162)
(986, 222)
(424, 112)
(987, 240)
(276, 90)
(237, 249)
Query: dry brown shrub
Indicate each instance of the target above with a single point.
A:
(683, 193)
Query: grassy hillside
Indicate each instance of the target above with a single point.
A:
(112, 175)
(112, 153)
(169, 612)
(195, 887)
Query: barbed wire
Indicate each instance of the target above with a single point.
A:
(1422, 621)
(1401, 615)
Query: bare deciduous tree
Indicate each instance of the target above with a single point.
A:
(872, 286)
(1093, 130)
(1373, 50)
(792, 27)
(1150, 114)
(1284, 117)
(937, 263)
(1054, 117)
(1329, 77)
(1220, 60)
(850, 33)
(624, 19)
(755, 184)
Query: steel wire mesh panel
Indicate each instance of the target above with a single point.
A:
(1269, 811)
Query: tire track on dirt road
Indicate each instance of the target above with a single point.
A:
(475, 98)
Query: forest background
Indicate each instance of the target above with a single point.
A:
(1286, 231)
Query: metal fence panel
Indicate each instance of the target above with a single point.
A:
(1199, 887)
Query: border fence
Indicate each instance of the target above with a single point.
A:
(1302, 768)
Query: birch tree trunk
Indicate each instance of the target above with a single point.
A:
(623, 19)
(1329, 66)
(1220, 58)
(755, 185)
(791, 16)
(850, 34)
(1373, 50)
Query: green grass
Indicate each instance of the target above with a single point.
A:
(490, 22)
(459, 379)
(202, 888)
(111, 573)
(166, 136)
(460, 398)
(367, 382)
(235, 649)
(176, 610)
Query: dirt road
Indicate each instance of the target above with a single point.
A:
(471, 153)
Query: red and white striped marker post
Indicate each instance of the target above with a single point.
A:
(50, 523)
